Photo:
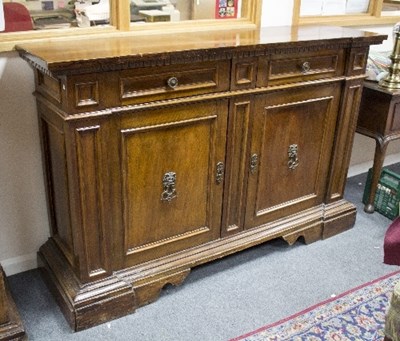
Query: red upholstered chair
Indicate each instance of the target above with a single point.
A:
(391, 244)
(16, 17)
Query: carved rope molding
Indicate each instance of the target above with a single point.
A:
(35, 64)
(185, 101)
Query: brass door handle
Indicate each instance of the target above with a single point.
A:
(253, 163)
(293, 159)
(219, 176)
(169, 190)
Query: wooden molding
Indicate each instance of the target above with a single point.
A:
(121, 25)
(349, 20)
(372, 17)
(296, 12)
(11, 327)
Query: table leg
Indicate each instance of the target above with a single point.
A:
(380, 151)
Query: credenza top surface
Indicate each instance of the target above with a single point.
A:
(64, 55)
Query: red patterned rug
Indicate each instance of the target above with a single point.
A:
(358, 314)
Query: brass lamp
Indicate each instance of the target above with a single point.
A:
(392, 80)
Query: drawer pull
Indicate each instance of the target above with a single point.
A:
(306, 67)
(253, 163)
(169, 182)
(172, 82)
(220, 172)
(293, 161)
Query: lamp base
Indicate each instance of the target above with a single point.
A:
(390, 83)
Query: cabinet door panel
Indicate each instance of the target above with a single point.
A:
(240, 118)
(55, 160)
(293, 132)
(171, 197)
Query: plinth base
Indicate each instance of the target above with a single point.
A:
(11, 327)
(90, 304)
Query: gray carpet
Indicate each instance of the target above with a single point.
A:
(232, 296)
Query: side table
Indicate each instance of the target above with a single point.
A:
(379, 118)
(11, 327)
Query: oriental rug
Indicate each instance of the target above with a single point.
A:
(358, 314)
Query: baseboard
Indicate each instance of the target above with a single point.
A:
(12, 266)
(363, 167)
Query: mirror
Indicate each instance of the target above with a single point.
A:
(391, 7)
(86, 13)
(333, 7)
(182, 10)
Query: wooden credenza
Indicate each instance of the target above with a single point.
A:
(165, 152)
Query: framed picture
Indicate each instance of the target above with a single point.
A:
(226, 9)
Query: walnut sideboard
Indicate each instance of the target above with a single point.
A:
(165, 152)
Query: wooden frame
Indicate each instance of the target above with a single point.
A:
(120, 25)
(372, 17)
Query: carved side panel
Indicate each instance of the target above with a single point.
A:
(346, 126)
(235, 186)
(91, 175)
(55, 164)
(48, 86)
(3, 306)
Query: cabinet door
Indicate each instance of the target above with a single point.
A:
(292, 136)
(171, 171)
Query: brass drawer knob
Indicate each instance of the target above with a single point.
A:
(305, 67)
(172, 82)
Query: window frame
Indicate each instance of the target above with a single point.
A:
(372, 17)
(120, 25)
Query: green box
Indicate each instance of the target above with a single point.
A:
(387, 196)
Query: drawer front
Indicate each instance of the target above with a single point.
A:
(281, 69)
(173, 81)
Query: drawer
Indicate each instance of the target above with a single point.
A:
(281, 69)
(167, 82)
